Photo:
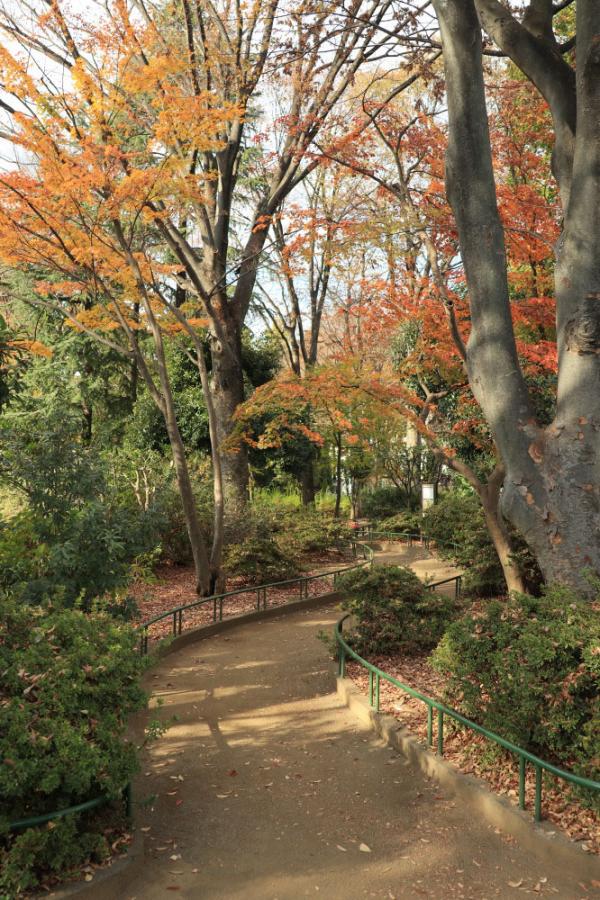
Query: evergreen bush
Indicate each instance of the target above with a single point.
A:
(529, 669)
(69, 682)
(394, 612)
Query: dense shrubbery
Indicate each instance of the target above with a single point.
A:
(272, 542)
(306, 531)
(405, 522)
(457, 524)
(380, 503)
(529, 669)
(75, 538)
(259, 560)
(394, 611)
(69, 682)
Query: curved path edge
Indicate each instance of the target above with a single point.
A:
(551, 845)
(125, 868)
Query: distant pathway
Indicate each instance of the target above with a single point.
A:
(266, 788)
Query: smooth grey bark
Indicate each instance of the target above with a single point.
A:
(551, 490)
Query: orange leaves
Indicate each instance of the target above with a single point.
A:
(36, 348)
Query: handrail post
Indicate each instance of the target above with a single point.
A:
(129, 801)
(522, 782)
(440, 732)
(377, 680)
(429, 724)
(537, 812)
(342, 662)
(214, 609)
(370, 687)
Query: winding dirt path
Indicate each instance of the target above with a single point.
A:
(267, 788)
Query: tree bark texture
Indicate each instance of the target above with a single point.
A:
(551, 490)
(227, 388)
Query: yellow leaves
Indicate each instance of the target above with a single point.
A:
(36, 348)
(100, 318)
(62, 288)
(193, 121)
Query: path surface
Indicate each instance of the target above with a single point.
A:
(266, 787)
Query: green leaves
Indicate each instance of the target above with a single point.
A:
(528, 669)
(394, 611)
(69, 682)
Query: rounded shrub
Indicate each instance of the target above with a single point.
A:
(405, 522)
(393, 611)
(259, 560)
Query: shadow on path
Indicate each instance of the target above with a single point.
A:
(265, 788)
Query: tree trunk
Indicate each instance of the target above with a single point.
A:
(227, 393)
(338, 476)
(307, 484)
(490, 502)
(216, 580)
(551, 489)
(188, 502)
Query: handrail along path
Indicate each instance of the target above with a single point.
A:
(376, 675)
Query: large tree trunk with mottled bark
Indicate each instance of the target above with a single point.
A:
(551, 490)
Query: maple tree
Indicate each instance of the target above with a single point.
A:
(422, 300)
(196, 76)
(316, 243)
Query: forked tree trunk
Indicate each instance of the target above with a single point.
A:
(489, 496)
(552, 485)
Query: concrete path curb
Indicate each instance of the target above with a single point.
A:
(537, 838)
(128, 867)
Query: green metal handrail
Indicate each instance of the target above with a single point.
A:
(33, 821)
(261, 591)
(177, 613)
(539, 765)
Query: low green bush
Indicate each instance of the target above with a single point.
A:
(307, 531)
(393, 610)
(69, 682)
(259, 560)
(382, 502)
(529, 669)
(405, 522)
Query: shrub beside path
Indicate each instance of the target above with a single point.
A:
(267, 788)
